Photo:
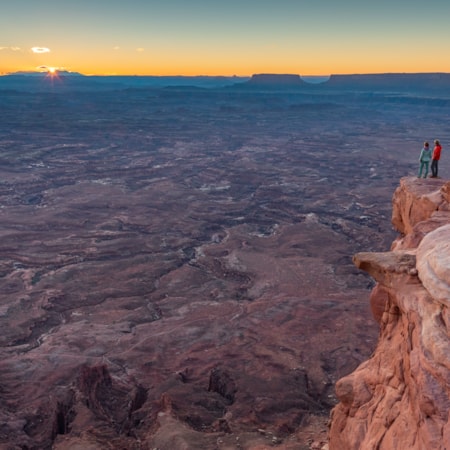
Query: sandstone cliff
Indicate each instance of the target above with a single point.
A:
(400, 397)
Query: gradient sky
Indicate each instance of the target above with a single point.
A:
(227, 37)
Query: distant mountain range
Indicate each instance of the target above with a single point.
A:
(63, 81)
(44, 74)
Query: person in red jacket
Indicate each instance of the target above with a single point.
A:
(435, 159)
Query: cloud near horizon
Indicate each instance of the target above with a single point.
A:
(13, 49)
(40, 49)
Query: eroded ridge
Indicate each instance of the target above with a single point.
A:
(400, 397)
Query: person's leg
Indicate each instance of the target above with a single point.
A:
(420, 170)
(433, 168)
(426, 170)
(437, 167)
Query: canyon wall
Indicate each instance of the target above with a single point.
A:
(400, 397)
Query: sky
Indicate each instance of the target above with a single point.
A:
(227, 37)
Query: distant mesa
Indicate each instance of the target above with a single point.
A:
(393, 80)
(381, 81)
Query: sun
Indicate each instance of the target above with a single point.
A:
(52, 73)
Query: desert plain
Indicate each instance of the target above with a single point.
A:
(176, 261)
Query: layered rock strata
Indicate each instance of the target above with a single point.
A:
(400, 397)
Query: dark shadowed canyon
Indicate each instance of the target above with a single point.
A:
(176, 261)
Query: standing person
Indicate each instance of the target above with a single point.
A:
(435, 159)
(424, 159)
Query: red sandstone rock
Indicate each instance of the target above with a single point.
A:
(433, 264)
(415, 200)
(400, 397)
(379, 298)
(419, 206)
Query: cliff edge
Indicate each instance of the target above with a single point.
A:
(400, 397)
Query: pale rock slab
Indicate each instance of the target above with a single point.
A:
(433, 263)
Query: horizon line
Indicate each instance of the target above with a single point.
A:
(62, 71)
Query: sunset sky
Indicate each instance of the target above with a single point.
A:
(226, 37)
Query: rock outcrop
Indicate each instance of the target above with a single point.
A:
(400, 397)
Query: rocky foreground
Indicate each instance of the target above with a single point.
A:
(400, 397)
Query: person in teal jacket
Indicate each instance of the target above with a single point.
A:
(424, 159)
